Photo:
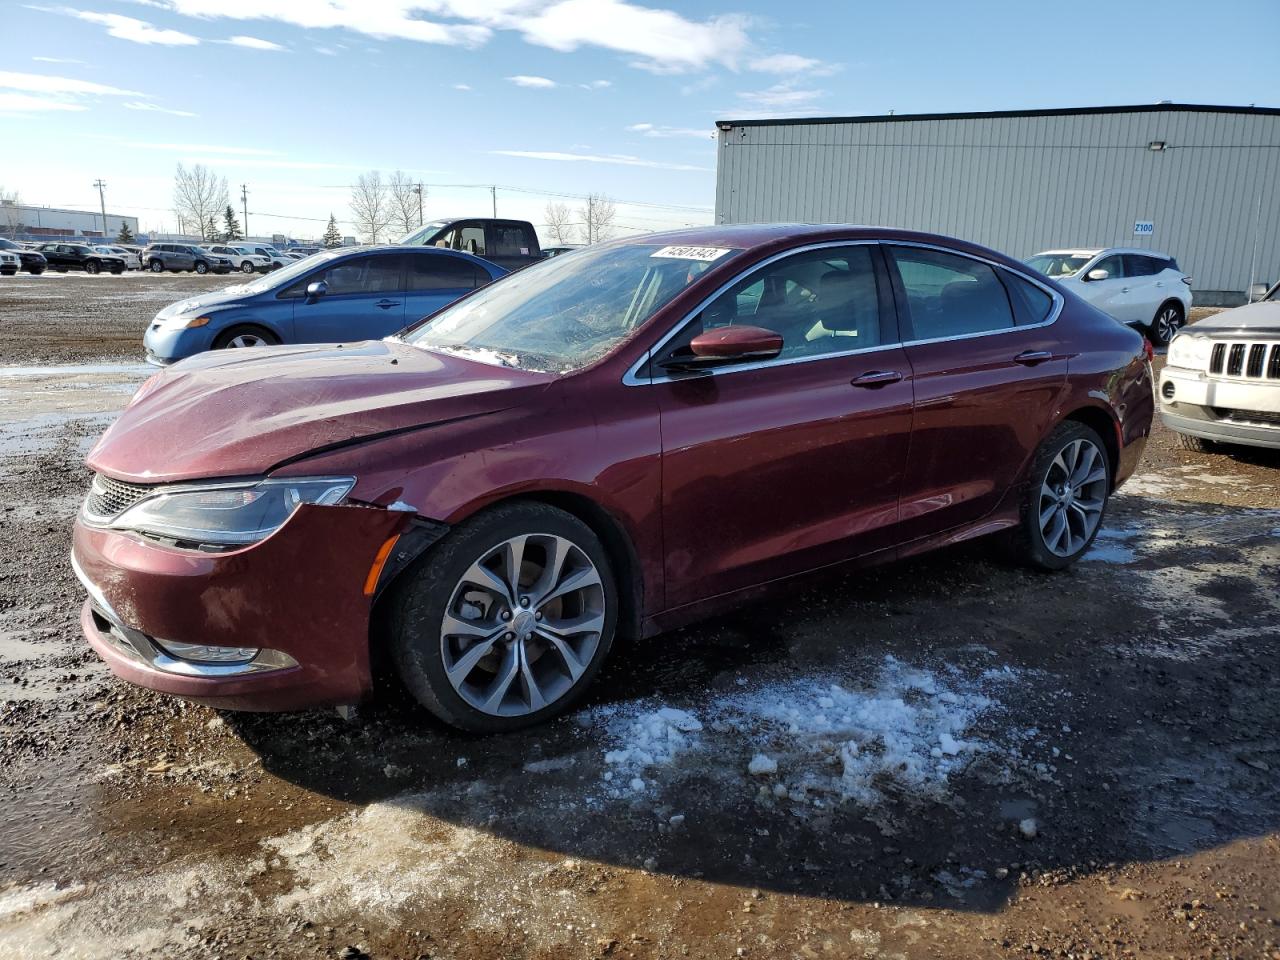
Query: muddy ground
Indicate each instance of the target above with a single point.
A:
(954, 757)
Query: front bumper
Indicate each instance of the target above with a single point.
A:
(1230, 411)
(298, 594)
(165, 344)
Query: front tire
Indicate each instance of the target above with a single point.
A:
(155, 266)
(201, 267)
(1065, 499)
(505, 622)
(238, 337)
(1167, 321)
(1196, 444)
(92, 266)
(246, 267)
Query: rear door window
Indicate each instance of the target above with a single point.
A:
(509, 240)
(1114, 265)
(1136, 265)
(444, 272)
(949, 295)
(1031, 304)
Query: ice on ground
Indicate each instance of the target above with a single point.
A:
(908, 729)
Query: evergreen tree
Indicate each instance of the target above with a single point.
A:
(232, 231)
(211, 229)
(332, 236)
(125, 235)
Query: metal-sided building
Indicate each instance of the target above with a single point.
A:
(1199, 182)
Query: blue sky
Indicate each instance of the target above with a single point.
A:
(298, 97)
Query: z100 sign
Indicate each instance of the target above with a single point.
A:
(1143, 228)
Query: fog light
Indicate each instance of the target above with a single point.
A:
(1167, 390)
(201, 653)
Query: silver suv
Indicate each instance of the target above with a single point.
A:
(1222, 379)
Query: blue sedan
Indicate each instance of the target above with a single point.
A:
(354, 293)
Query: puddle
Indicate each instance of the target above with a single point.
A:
(76, 370)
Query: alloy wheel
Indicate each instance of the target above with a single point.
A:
(246, 340)
(246, 267)
(1072, 496)
(522, 625)
(1167, 323)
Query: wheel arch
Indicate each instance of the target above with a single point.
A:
(1105, 424)
(252, 323)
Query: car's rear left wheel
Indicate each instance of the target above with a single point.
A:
(1065, 498)
(507, 620)
(1167, 321)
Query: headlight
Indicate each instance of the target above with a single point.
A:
(1190, 351)
(229, 514)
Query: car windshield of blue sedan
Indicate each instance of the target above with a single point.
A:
(281, 277)
(566, 312)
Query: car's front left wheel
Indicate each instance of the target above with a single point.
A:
(1065, 498)
(507, 620)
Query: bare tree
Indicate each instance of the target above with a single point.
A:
(10, 218)
(406, 202)
(199, 195)
(597, 218)
(370, 206)
(560, 222)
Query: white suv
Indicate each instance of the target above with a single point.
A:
(1142, 288)
(243, 261)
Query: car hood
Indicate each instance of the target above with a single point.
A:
(234, 413)
(1254, 319)
(228, 296)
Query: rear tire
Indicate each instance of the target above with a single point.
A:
(1167, 322)
(510, 663)
(1065, 499)
(1196, 444)
(245, 336)
(35, 272)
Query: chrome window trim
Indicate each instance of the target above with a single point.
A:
(632, 379)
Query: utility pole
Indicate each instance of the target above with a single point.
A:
(102, 185)
(244, 198)
(494, 192)
(418, 190)
(591, 218)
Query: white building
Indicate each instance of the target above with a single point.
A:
(52, 221)
(1199, 182)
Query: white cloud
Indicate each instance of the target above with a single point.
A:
(539, 83)
(156, 108)
(56, 60)
(206, 148)
(136, 31)
(663, 41)
(792, 63)
(657, 130)
(326, 51)
(781, 99)
(26, 103)
(596, 85)
(461, 86)
(254, 43)
(41, 83)
(614, 158)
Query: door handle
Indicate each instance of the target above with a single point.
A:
(384, 304)
(1029, 358)
(876, 378)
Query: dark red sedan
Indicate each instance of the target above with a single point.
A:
(613, 442)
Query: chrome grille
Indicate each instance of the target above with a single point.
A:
(1247, 360)
(109, 498)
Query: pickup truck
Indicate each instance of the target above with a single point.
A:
(511, 244)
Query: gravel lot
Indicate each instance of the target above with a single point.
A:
(950, 757)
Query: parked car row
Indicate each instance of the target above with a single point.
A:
(159, 257)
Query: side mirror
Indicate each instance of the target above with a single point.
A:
(722, 345)
(316, 289)
(1098, 274)
(1257, 291)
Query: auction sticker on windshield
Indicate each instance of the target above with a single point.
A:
(706, 254)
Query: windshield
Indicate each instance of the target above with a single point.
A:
(278, 278)
(567, 312)
(1058, 264)
(418, 237)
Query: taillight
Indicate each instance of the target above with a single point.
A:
(1187, 281)
(1149, 350)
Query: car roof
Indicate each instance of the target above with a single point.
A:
(414, 249)
(1095, 251)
